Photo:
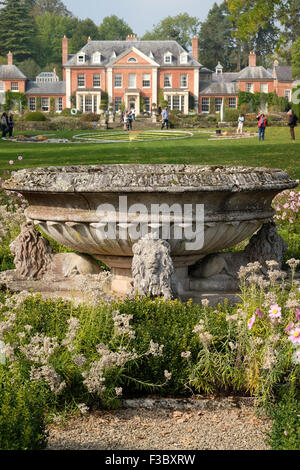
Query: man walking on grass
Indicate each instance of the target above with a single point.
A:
(292, 123)
(165, 118)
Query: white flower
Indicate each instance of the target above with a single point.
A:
(167, 375)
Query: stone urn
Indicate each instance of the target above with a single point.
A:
(103, 210)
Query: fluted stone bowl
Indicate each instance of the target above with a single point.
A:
(63, 201)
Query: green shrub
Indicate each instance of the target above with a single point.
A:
(66, 112)
(285, 432)
(231, 115)
(89, 117)
(35, 116)
(22, 425)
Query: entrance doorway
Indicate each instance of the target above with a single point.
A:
(131, 103)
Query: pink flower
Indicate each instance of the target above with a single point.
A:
(20, 157)
(259, 313)
(275, 311)
(297, 314)
(289, 327)
(295, 336)
(11, 162)
(251, 322)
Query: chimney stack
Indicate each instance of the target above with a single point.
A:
(252, 59)
(195, 48)
(9, 58)
(131, 37)
(65, 50)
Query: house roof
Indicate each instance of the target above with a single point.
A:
(219, 88)
(51, 88)
(255, 73)
(155, 50)
(11, 72)
(225, 76)
(284, 73)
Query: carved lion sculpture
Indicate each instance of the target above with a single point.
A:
(152, 269)
(263, 246)
(34, 258)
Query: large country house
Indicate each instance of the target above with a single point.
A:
(131, 70)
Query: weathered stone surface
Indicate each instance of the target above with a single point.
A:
(152, 269)
(165, 178)
(219, 271)
(34, 258)
(64, 201)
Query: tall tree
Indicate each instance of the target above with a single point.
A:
(215, 39)
(113, 28)
(17, 30)
(83, 29)
(181, 28)
(54, 7)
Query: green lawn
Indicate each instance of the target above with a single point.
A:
(277, 152)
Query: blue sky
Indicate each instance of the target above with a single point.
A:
(141, 15)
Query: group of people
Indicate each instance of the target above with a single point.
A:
(127, 119)
(263, 122)
(7, 124)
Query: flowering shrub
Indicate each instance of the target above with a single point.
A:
(287, 218)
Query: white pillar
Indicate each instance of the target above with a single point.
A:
(110, 85)
(154, 86)
(68, 88)
(196, 90)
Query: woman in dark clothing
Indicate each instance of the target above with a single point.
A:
(292, 123)
(4, 124)
(10, 125)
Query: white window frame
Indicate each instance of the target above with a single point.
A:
(168, 76)
(183, 58)
(232, 102)
(59, 104)
(45, 104)
(132, 60)
(205, 101)
(14, 88)
(132, 80)
(80, 58)
(118, 79)
(262, 86)
(288, 95)
(185, 77)
(219, 105)
(250, 87)
(32, 103)
(98, 81)
(168, 58)
(80, 76)
(147, 104)
(97, 58)
(118, 104)
(176, 102)
(146, 80)
(2, 86)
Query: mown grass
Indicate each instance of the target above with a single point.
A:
(276, 152)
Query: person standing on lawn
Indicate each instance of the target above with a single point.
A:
(10, 124)
(262, 124)
(292, 123)
(241, 121)
(165, 118)
(4, 124)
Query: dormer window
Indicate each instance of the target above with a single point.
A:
(132, 60)
(81, 59)
(183, 58)
(97, 58)
(168, 58)
(219, 69)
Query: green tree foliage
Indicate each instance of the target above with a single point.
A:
(113, 28)
(54, 7)
(30, 68)
(181, 28)
(17, 30)
(82, 30)
(217, 41)
(50, 31)
(296, 58)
